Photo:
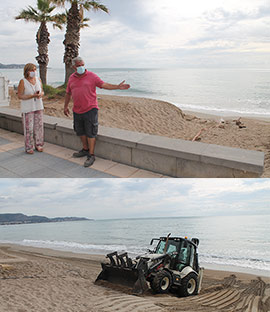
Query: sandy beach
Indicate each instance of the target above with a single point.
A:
(165, 119)
(34, 279)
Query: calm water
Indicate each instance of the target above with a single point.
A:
(222, 91)
(240, 243)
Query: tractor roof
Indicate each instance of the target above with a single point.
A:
(193, 241)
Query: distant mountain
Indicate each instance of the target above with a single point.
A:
(12, 65)
(19, 218)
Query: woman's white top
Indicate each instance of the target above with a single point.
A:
(33, 104)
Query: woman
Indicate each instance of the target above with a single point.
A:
(30, 93)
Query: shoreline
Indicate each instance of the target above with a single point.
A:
(199, 113)
(226, 116)
(34, 279)
(229, 269)
(193, 109)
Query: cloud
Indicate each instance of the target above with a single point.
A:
(3, 198)
(140, 33)
(128, 14)
(212, 187)
(106, 198)
(235, 27)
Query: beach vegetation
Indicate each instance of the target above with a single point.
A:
(52, 92)
(74, 22)
(43, 15)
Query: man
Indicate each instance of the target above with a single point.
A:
(82, 88)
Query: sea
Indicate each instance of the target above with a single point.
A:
(222, 91)
(230, 243)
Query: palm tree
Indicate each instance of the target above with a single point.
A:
(42, 15)
(75, 21)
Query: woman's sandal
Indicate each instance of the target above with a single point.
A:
(29, 152)
(39, 149)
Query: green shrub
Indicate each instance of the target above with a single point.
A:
(52, 92)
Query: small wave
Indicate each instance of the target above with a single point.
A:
(147, 93)
(254, 264)
(241, 262)
(84, 248)
(234, 258)
(208, 109)
(56, 84)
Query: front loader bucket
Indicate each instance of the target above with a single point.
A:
(123, 275)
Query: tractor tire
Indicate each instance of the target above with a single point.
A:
(189, 285)
(162, 282)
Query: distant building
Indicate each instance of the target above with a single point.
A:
(4, 96)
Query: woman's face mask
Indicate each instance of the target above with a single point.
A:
(32, 74)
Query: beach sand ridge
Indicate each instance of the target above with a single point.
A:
(57, 281)
(165, 119)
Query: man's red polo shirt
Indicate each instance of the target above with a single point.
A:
(83, 91)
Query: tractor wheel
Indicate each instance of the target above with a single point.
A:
(162, 282)
(189, 285)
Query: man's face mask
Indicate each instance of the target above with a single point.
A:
(80, 70)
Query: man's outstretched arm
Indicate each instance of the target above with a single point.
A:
(120, 86)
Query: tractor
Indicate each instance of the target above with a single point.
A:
(171, 265)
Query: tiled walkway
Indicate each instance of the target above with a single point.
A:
(56, 162)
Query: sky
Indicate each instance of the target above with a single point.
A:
(135, 198)
(153, 33)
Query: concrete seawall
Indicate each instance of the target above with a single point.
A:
(172, 157)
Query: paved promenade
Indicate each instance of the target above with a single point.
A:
(57, 162)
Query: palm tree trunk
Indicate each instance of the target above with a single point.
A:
(43, 40)
(68, 71)
(72, 38)
(43, 73)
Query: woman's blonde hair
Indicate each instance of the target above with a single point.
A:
(27, 68)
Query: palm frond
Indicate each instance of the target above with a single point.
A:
(95, 6)
(33, 10)
(83, 23)
(59, 20)
(43, 14)
(28, 15)
(43, 5)
(50, 9)
(60, 2)
(59, 26)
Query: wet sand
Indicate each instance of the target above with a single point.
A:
(35, 279)
(165, 119)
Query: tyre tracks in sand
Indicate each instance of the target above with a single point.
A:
(126, 303)
(231, 295)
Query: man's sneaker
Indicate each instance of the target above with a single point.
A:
(81, 153)
(89, 161)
